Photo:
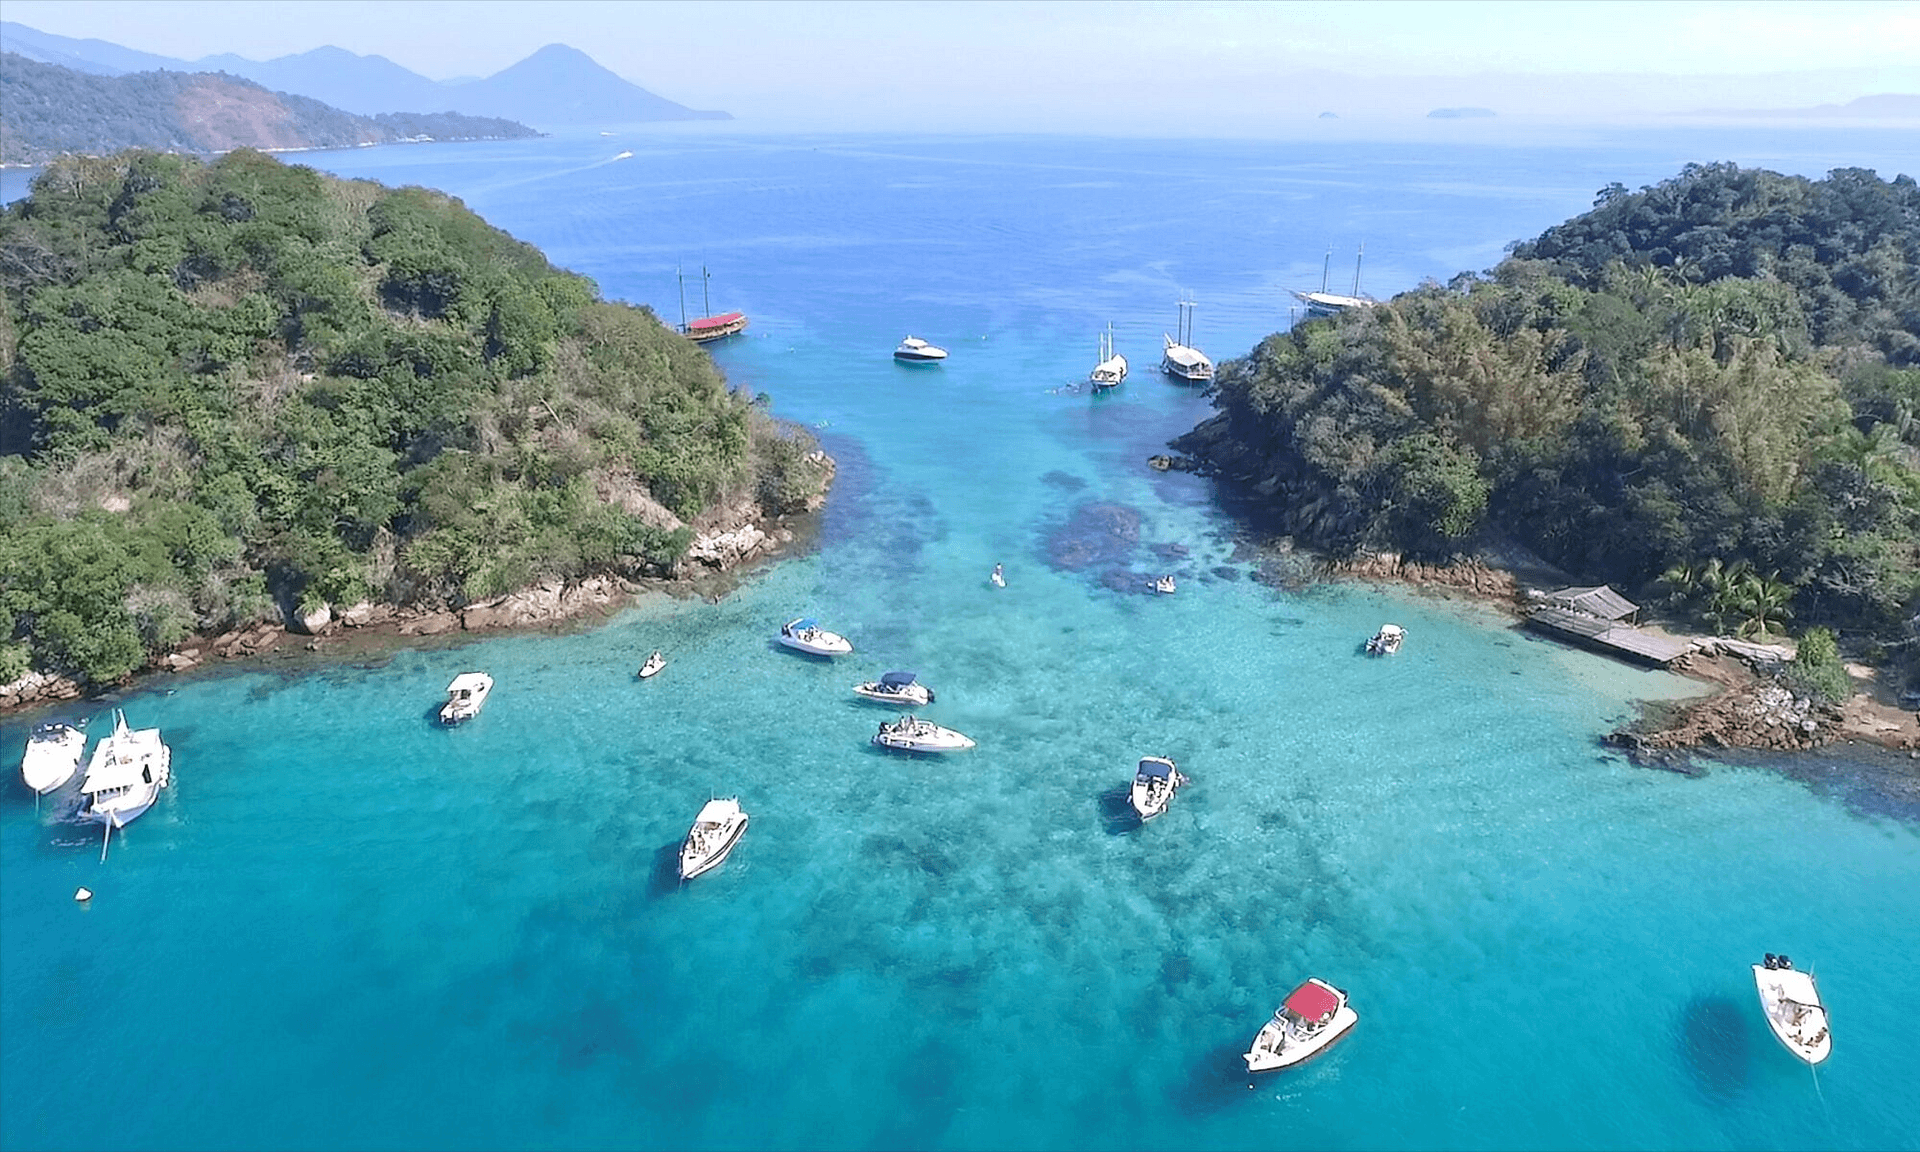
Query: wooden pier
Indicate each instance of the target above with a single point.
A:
(1600, 618)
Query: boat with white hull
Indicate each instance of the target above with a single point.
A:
(914, 350)
(1111, 371)
(652, 666)
(912, 734)
(53, 755)
(1387, 641)
(124, 777)
(1154, 783)
(1793, 1009)
(465, 697)
(897, 688)
(714, 833)
(1181, 360)
(805, 635)
(1311, 1018)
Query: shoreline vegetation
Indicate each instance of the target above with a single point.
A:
(243, 401)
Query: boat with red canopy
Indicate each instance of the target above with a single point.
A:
(709, 327)
(1311, 1018)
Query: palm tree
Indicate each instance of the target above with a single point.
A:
(1762, 601)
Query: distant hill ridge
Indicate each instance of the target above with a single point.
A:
(554, 87)
(47, 110)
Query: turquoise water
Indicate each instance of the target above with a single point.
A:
(344, 927)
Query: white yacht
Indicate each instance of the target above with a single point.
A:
(1792, 1005)
(465, 697)
(899, 688)
(1181, 359)
(653, 665)
(1154, 784)
(53, 756)
(1112, 368)
(714, 833)
(806, 635)
(125, 776)
(912, 734)
(1312, 1017)
(1165, 585)
(914, 350)
(1387, 641)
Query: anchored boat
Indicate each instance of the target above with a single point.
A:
(805, 634)
(912, 734)
(899, 688)
(1793, 1009)
(714, 833)
(1311, 1018)
(1112, 369)
(465, 697)
(1181, 359)
(53, 756)
(1154, 783)
(914, 350)
(1387, 641)
(707, 328)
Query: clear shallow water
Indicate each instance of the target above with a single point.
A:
(347, 928)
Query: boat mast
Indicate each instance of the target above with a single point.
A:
(707, 302)
(1356, 270)
(682, 276)
(1326, 269)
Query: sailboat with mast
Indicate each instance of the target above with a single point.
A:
(1325, 303)
(1112, 368)
(708, 327)
(1182, 360)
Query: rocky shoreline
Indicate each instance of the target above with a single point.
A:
(736, 539)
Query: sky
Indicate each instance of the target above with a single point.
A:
(1154, 64)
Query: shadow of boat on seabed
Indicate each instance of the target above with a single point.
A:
(1716, 1041)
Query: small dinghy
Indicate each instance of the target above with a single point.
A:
(912, 734)
(653, 665)
(714, 833)
(1792, 1005)
(465, 697)
(1312, 1017)
(806, 635)
(1387, 641)
(898, 688)
(1154, 784)
(53, 756)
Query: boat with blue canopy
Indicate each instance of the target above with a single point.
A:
(1154, 784)
(902, 688)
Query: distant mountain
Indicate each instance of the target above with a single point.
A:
(47, 110)
(1886, 106)
(554, 87)
(1460, 113)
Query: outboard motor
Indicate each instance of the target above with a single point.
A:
(1786, 965)
(1770, 960)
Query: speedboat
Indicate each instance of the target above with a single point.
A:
(806, 635)
(1112, 368)
(1154, 783)
(1165, 585)
(714, 833)
(1312, 1017)
(896, 688)
(1387, 641)
(914, 350)
(465, 697)
(1793, 1009)
(53, 756)
(912, 734)
(125, 776)
(653, 665)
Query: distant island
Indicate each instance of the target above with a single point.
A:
(240, 394)
(1703, 392)
(1886, 106)
(557, 86)
(1460, 113)
(47, 110)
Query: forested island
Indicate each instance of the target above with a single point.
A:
(1706, 393)
(47, 110)
(243, 391)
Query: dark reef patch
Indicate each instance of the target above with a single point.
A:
(1096, 535)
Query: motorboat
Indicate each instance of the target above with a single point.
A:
(714, 833)
(896, 688)
(1181, 359)
(53, 755)
(125, 776)
(653, 665)
(1387, 641)
(465, 697)
(999, 577)
(806, 635)
(912, 734)
(710, 327)
(1112, 368)
(1792, 1005)
(1165, 585)
(1154, 783)
(1312, 1017)
(914, 350)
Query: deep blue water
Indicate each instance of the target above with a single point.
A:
(344, 927)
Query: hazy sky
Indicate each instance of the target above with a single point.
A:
(891, 63)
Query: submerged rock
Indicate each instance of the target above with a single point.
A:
(1096, 535)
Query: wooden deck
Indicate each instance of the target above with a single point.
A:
(1608, 636)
